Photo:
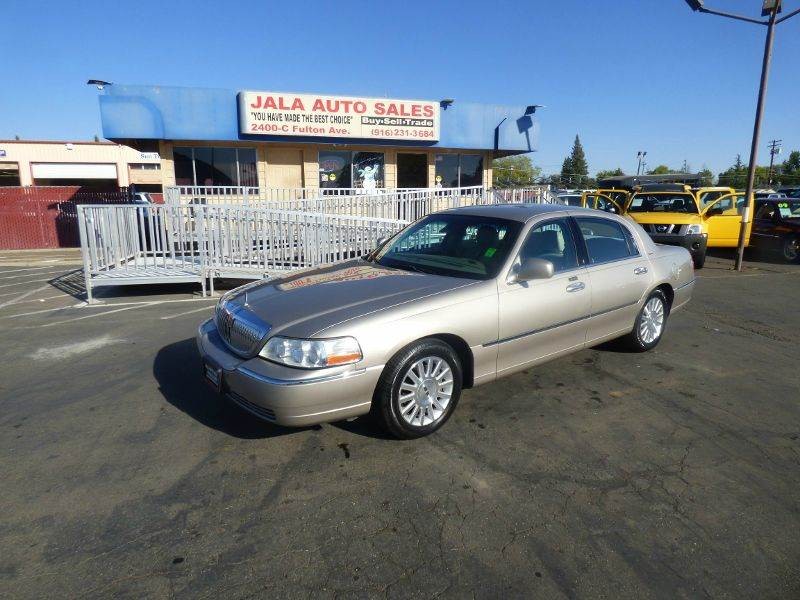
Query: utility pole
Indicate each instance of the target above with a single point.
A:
(640, 156)
(774, 149)
(770, 9)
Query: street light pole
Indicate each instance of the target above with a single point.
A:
(751, 171)
(771, 8)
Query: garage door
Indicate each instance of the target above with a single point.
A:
(284, 168)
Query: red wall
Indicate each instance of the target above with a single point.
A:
(46, 217)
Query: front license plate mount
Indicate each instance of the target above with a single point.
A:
(213, 375)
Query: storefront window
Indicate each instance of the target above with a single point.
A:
(248, 167)
(215, 166)
(351, 170)
(471, 170)
(447, 170)
(334, 169)
(184, 168)
(459, 170)
(368, 170)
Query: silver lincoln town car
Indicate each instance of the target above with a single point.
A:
(457, 299)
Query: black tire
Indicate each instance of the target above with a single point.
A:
(699, 260)
(636, 340)
(791, 249)
(386, 402)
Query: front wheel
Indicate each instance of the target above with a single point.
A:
(419, 389)
(699, 260)
(650, 323)
(791, 249)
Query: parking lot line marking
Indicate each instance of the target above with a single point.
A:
(197, 310)
(67, 350)
(24, 295)
(25, 269)
(59, 272)
(5, 285)
(108, 312)
(117, 304)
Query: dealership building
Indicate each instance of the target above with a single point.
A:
(286, 140)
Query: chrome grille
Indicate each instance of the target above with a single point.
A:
(240, 328)
(662, 228)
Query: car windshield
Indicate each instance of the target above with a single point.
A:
(452, 244)
(673, 202)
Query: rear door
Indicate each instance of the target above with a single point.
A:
(619, 274)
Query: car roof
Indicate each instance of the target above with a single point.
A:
(518, 212)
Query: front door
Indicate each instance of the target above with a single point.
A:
(544, 317)
(619, 274)
(724, 219)
(412, 170)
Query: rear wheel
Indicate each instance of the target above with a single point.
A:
(791, 249)
(650, 323)
(419, 389)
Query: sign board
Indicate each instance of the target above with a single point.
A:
(312, 115)
(149, 156)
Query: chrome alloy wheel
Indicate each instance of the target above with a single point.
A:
(425, 391)
(652, 322)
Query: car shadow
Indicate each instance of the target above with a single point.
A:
(177, 370)
(751, 255)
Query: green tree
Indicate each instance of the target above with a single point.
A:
(790, 169)
(734, 176)
(707, 177)
(514, 171)
(575, 169)
(609, 173)
(660, 170)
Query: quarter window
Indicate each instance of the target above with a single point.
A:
(552, 241)
(606, 240)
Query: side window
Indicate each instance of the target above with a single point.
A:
(767, 211)
(552, 241)
(606, 240)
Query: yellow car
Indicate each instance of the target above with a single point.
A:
(677, 218)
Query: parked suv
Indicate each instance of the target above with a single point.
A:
(677, 218)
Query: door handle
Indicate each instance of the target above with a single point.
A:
(640, 270)
(576, 287)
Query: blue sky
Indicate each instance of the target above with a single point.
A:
(624, 74)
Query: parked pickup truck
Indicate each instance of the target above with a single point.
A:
(677, 218)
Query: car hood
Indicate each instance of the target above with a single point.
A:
(671, 218)
(305, 303)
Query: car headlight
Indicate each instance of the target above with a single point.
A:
(695, 229)
(312, 354)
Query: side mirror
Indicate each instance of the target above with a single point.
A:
(381, 242)
(533, 268)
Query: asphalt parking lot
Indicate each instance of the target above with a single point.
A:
(672, 474)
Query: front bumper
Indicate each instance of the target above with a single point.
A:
(287, 396)
(695, 243)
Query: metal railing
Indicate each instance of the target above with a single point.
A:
(132, 244)
(252, 232)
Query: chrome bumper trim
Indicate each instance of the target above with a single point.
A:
(291, 382)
